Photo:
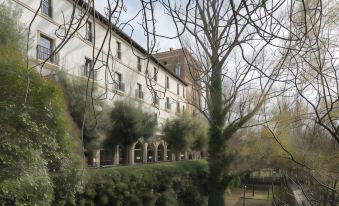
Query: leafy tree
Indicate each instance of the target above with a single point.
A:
(89, 112)
(186, 133)
(12, 33)
(129, 123)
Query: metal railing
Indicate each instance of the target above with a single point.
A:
(139, 94)
(44, 53)
(118, 85)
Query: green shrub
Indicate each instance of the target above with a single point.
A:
(38, 165)
(163, 184)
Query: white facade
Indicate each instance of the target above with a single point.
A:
(73, 54)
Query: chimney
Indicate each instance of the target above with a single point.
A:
(171, 49)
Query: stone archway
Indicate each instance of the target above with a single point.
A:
(138, 153)
(160, 152)
(150, 153)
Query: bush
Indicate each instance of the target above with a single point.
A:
(37, 159)
(163, 184)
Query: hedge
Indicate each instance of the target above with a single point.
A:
(162, 184)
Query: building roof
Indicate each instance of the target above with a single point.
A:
(127, 38)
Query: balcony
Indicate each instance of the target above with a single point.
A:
(139, 94)
(47, 55)
(167, 105)
(118, 85)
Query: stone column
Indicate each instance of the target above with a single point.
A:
(155, 155)
(116, 155)
(165, 154)
(144, 153)
(131, 154)
(96, 158)
(186, 156)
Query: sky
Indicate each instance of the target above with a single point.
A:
(164, 25)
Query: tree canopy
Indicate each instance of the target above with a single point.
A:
(129, 123)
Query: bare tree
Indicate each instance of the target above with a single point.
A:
(231, 41)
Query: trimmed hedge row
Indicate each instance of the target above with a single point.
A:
(163, 184)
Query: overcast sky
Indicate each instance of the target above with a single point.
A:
(164, 25)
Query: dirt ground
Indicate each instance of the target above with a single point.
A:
(259, 199)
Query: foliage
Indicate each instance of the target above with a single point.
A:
(12, 33)
(129, 123)
(163, 184)
(37, 161)
(87, 110)
(186, 133)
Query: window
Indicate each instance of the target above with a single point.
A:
(47, 7)
(167, 83)
(45, 50)
(168, 104)
(156, 99)
(183, 92)
(178, 69)
(118, 50)
(139, 64)
(138, 92)
(118, 84)
(178, 92)
(155, 74)
(88, 67)
(178, 107)
(139, 87)
(89, 34)
(183, 108)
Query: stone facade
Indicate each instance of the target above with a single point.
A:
(182, 64)
(129, 63)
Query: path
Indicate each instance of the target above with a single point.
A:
(259, 199)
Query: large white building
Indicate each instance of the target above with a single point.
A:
(119, 62)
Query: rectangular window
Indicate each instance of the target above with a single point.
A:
(167, 83)
(118, 84)
(178, 107)
(46, 7)
(45, 50)
(183, 92)
(139, 64)
(168, 104)
(118, 50)
(155, 74)
(178, 69)
(89, 34)
(178, 92)
(88, 67)
(156, 98)
(138, 92)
